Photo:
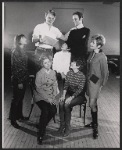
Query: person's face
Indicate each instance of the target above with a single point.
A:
(93, 45)
(23, 42)
(73, 65)
(49, 18)
(76, 20)
(64, 47)
(47, 64)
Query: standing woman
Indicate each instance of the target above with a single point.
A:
(19, 78)
(97, 76)
(44, 95)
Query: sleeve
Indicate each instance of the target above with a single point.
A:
(86, 39)
(87, 36)
(80, 86)
(104, 70)
(40, 93)
(36, 32)
(55, 85)
(38, 80)
(19, 70)
(55, 62)
(69, 40)
(66, 85)
(59, 34)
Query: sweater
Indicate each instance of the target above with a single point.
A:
(75, 82)
(78, 40)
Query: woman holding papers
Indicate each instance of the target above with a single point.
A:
(45, 95)
(45, 36)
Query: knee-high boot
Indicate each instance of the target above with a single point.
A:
(62, 121)
(95, 124)
(67, 122)
(90, 124)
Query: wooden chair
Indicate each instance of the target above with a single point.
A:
(84, 110)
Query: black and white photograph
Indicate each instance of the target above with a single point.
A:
(61, 74)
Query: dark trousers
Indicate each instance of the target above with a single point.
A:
(48, 111)
(65, 109)
(17, 101)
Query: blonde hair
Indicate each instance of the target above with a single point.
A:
(100, 39)
(42, 58)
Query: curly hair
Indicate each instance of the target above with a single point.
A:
(42, 58)
(100, 39)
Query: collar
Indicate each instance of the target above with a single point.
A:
(80, 26)
(47, 25)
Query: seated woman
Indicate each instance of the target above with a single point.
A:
(73, 94)
(44, 95)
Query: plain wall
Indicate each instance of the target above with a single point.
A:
(22, 17)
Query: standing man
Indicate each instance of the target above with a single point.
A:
(78, 38)
(46, 29)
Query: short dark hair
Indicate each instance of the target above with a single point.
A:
(79, 14)
(79, 63)
(51, 12)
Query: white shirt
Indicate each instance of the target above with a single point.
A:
(61, 61)
(44, 30)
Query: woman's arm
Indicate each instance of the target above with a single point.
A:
(104, 70)
(81, 85)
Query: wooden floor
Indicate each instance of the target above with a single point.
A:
(80, 137)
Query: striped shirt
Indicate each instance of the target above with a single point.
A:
(75, 82)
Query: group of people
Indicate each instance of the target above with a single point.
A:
(78, 72)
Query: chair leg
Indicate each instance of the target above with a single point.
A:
(80, 110)
(84, 112)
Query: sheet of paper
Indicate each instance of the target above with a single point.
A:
(50, 41)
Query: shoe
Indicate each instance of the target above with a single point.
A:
(66, 132)
(61, 130)
(89, 125)
(14, 124)
(23, 118)
(39, 140)
(95, 133)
